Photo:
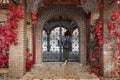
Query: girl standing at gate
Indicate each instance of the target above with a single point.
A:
(67, 45)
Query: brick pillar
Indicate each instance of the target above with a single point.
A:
(107, 52)
(29, 37)
(83, 44)
(88, 16)
(17, 57)
(29, 33)
(38, 46)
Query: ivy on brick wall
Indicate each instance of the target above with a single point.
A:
(8, 33)
(95, 46)
(96, 42)
(29, 60)
(34, 17)
(113, 31)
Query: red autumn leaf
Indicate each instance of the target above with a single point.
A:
(34, 13)
(115, 15)
(91, 70)
(98, 55)
(27, 49)
(99, 25)
(115, 34)
(96, 47)
(1, 29)
(118, 22)
(84, 2)
(15, 43)
(14, 23)
(113, 73)
(8, 32)
(29, 55)
(34, 21)
(10, 16)
(100, 6)
(100, 22)
(77, 2)
(0, 41)
(19, 12)
(99, 37)
(98, 65)
(119, 45)
(34, 17)
(11, 8)
(69, 0)
(7, 24)
(92, 57)
(21, 1)
(100, 42)
(112, 1)
(28, 65)
(110, 26)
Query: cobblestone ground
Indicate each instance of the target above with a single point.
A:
(57, 71)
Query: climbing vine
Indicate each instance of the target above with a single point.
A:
(34, 17)
(8, 33)
(29, 60)
(95, 46)
(96, 43)
(113, 31)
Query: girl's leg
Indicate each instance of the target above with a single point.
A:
(66, 54)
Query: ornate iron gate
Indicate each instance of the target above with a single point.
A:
(54, 54)
(52, 37)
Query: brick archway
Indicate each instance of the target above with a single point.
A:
(74, 13)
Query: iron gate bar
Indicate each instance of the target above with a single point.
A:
(60, 36)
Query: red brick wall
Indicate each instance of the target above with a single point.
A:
(17, 55)
(108, 64)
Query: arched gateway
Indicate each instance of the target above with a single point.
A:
(73, 17)
(53, 33)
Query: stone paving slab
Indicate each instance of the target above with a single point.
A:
(59, 71)
(58, 79)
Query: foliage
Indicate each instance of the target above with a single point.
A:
(29, 60)
(34, 17)
(95, 46)
(8, 34)
(113, 31)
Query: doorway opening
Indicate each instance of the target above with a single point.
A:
(52, 34)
